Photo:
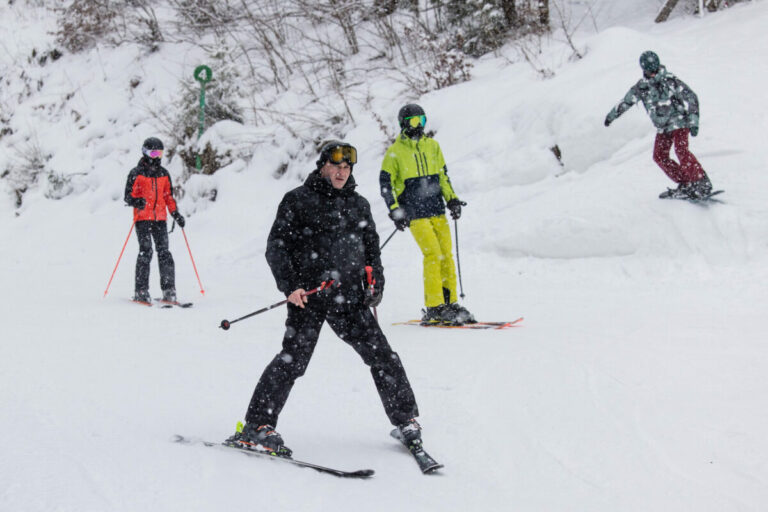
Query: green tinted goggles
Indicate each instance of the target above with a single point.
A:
(415, 121)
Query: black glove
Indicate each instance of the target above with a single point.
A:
(139, 202)
(179, 219)
(607, 121)
(374, 288)
(400, 218)
(373, 297)
(694, 131)
(455, 206)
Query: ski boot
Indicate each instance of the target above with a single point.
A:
(699, 189)
(460, 314)
(438, 315)
(410, 431)
(261, 438)
(169, 295)
(675, 193)
(142, 296)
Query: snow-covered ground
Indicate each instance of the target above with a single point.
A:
(637, 380)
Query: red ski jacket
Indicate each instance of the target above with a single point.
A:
(153, 184)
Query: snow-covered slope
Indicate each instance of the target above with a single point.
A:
(636, 381)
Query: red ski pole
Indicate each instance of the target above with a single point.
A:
(225, 324)
(193, 261)
(119, 258)
(371, 282)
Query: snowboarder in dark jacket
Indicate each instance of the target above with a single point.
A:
(150, 191)
(674, 110)
(324, 232)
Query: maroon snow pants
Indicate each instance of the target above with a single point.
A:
(689, 169)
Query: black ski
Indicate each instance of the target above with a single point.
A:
(426, 463)
(362, 473)
(171, 303)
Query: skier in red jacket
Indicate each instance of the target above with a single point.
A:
(150, 192)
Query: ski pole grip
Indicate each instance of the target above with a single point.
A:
(369, 275)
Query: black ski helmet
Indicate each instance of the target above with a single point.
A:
(649, 62)
(152, 143)
(408, 110)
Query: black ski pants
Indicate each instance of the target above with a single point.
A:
(146, 230)
(359, 329)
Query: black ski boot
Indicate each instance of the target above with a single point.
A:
(699, 189)
(410, 432)
(169, 295)
(438, 315)
(675, 193)
(142, 296)
(262, 438)
(461, 314)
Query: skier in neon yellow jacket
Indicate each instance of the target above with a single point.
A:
(415, 185)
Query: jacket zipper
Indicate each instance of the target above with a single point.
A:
(154, 207)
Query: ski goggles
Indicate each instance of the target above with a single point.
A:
(415, 121)
(338, 154)
(153, 153)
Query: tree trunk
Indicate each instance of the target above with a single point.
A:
(666, 11)
(510, 13)
(544, 13)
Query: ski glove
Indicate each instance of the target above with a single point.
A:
(139, 202)
(608, 120)
(400, 218)
(694, 131)
(373, 297)
(374, 288)
(179, 219)
(455, 206)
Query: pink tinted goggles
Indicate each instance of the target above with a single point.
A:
(154, 153)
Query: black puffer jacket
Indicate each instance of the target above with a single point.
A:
(322, 233)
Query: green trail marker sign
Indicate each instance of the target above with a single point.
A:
(203, 74)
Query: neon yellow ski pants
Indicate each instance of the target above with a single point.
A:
(433, 235)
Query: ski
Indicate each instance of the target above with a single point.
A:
(427, 464)
(362, 473)
(477, 325)
(169, 304)
(141, 302)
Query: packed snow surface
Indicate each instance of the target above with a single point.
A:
(637, 380)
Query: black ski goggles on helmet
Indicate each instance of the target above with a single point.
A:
(341, 153)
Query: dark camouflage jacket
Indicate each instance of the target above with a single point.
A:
(670, 103)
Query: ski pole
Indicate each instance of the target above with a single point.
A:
(458, 261)
(388, 239)
(193, 261)
(371, 282)
(225, 324)
(119, 258)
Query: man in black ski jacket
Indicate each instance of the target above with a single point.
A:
(324, 232)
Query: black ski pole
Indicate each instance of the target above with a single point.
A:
(225, 324)
(458, 261)
(388, 239)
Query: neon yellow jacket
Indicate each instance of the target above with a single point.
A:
(414, 177)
